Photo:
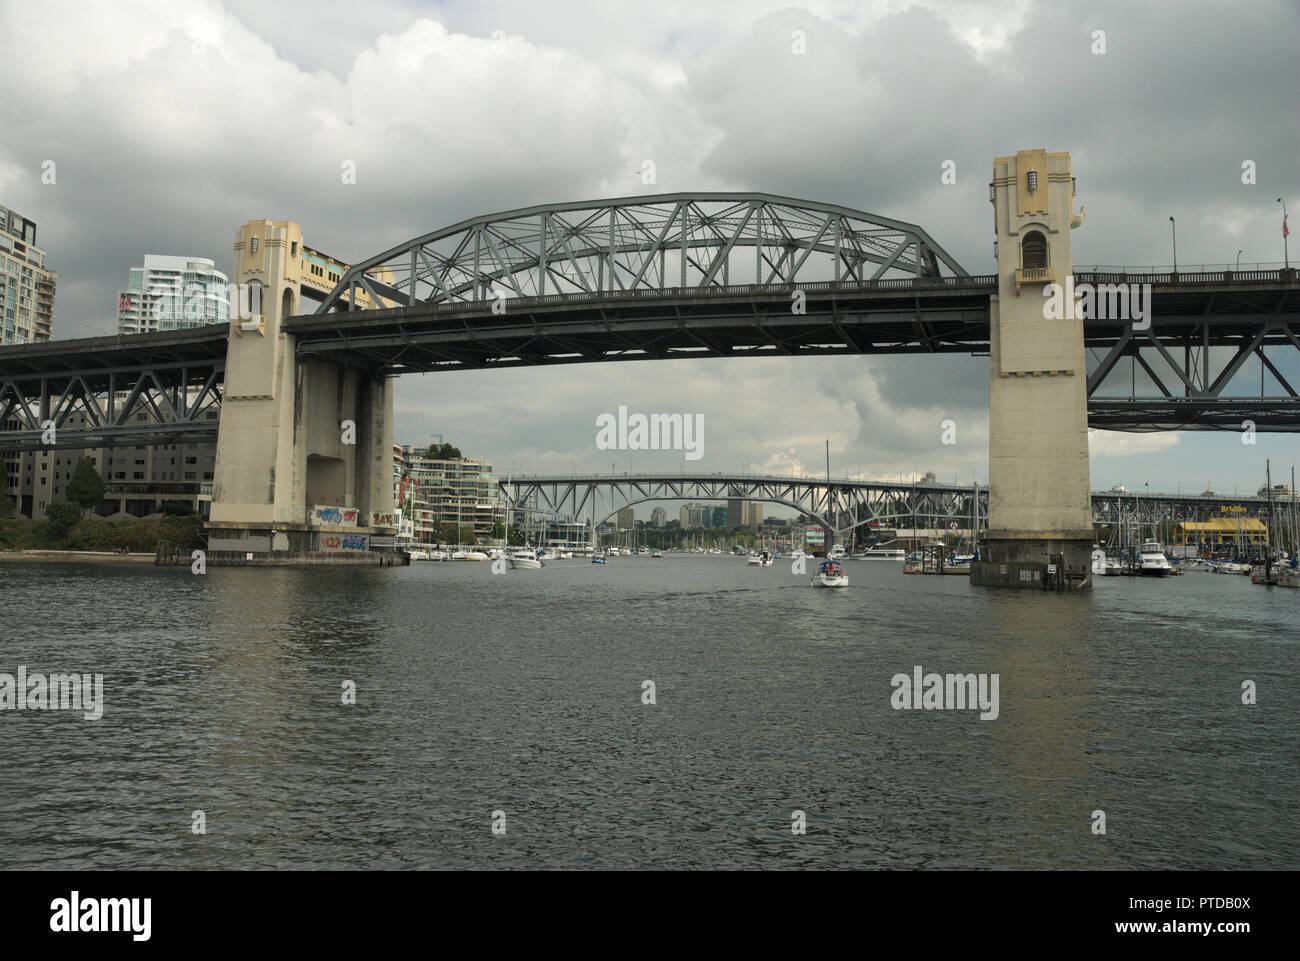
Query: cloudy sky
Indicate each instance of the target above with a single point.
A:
(170, 124)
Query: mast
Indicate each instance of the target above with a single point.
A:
(826, 539)
(1268, 527)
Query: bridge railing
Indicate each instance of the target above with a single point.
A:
(826, 286)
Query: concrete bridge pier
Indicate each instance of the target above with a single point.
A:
(305, 447)
(1040, 519)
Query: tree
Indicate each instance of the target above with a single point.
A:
(498, 530)
(62, 516)
(444, 452)
(7, 508)
(86, 489)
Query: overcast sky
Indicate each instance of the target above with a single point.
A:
(171, 124)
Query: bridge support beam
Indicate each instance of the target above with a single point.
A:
(1040, 521)
(305, 447)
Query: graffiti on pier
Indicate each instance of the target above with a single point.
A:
(343, 542)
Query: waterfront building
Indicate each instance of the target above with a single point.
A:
(1223, 534)
(462, 491)
(172, 293)
(626, 519)
(658, 517)
(27, 288)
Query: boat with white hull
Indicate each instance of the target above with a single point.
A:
(830, 574)
(526, 560)
(1152, 561)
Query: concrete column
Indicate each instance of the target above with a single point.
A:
(1039, 502)
(295, 434)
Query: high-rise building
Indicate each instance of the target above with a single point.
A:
(743, 513)
(694, 515)
(26, 287)
(172, 293)
(626, 519)
(658, 517)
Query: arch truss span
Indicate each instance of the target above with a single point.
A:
(641, 245)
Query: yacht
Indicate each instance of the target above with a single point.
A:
(1152, 560)
(526, 560)
(830, 574)
(880, 554)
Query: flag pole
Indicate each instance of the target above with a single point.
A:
(1286, 254)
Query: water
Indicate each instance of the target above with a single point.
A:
(521, 693)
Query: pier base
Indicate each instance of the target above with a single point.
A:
(1033, 560)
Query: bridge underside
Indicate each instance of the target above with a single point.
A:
(1221, 349)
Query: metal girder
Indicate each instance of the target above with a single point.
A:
(164, 403)
(655, 242)
(1203, 392)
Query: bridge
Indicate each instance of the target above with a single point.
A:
(306, 397)
(843, 504)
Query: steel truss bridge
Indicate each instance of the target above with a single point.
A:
(673, 276)
(163, 388)
(842, 505)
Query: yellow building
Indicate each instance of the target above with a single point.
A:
(1224, 533)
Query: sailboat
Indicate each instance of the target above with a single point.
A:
(830, 573)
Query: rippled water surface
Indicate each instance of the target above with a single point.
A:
(521, 693)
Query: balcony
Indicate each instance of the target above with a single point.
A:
(1034, 275)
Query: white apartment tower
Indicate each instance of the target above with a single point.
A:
(173, 293)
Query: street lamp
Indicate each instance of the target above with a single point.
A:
(1286, 256)
(1239, 260)
(1173, 227)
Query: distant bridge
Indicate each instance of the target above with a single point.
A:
(842, 505)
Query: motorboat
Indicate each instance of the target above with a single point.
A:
(761, 559)
(880, 554)
(657, 554)
(1152, 561)
(1231, 567)
(830, 574)
(468, 556)
(526, 560)
(598, 558)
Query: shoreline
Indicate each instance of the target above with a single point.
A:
(96, 557)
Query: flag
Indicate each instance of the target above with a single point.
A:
(1285, 233)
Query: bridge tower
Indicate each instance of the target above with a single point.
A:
(1040, 518)
(305, 446)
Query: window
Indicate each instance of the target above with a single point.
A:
(293, 248)
(252, 245)
(1033, 251)
(137, 475)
